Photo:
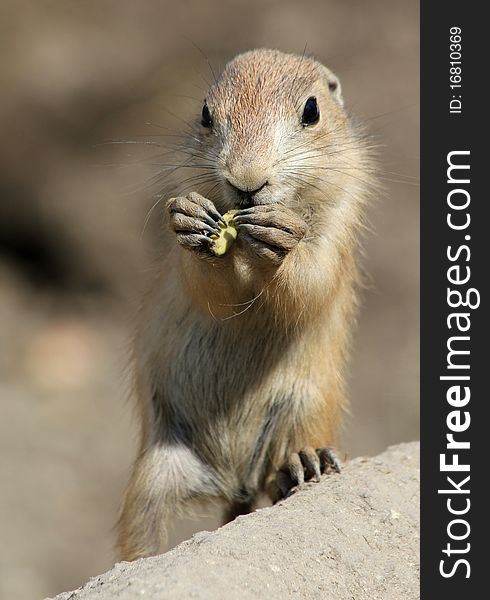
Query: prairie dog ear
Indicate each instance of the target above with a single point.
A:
(334, 86)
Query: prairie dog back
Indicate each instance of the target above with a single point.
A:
(239, 359)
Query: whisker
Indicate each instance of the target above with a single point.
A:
(251, 302)
(147, 217)
(204, 55)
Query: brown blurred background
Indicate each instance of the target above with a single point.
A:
(75, 73)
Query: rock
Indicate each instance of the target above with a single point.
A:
(353, 536)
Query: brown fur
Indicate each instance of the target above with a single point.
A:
(239, 360)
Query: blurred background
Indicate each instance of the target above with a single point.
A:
(76, 235)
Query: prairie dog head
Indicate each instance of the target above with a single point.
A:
(272, 127)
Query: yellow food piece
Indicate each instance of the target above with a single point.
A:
(223, 241)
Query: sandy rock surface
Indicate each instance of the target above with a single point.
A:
(353, 536)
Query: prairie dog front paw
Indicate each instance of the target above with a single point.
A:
(271, 231)
(194, 219)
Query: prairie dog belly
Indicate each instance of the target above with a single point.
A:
(242, 407)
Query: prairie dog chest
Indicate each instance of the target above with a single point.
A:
(221, 367)
(222, 360)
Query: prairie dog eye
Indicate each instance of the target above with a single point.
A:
(311, 112)
(206, 120)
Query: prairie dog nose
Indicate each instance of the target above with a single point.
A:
(246, 197)
(248, 191)
(247, 174)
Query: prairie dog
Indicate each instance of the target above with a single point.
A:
(239, 359)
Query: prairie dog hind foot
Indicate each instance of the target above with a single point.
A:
(304, 466)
